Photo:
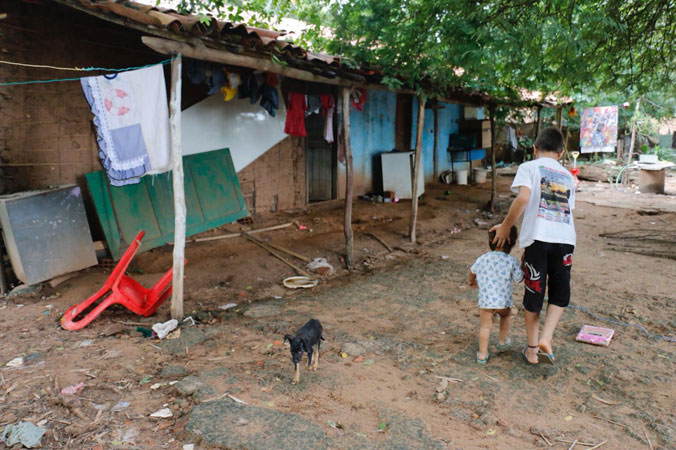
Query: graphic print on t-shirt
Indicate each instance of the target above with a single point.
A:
(554, 195)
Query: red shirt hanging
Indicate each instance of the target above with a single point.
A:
(295, 115)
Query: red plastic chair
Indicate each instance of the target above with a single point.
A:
(123, 290)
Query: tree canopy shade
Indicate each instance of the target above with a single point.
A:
(494, 46)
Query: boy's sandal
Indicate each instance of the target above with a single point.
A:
(523, 353)
(504, 346)
(481, 361)
(546, 357)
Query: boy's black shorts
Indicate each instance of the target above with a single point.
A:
(544, 260)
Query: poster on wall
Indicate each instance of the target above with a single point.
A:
(598, 129)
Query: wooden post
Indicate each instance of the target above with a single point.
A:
(179, 195)
(349, 238)
(436, 143)
(537, 123)
(494, 176)
(633, 133)
(559, 117)
(417, 168)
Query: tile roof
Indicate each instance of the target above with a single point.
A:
(237, 37)
(243, 39)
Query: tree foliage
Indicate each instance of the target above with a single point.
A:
(616, 47)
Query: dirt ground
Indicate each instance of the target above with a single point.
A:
(395, 327)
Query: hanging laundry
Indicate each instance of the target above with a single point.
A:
(230, 89)
(358, 98)
(132, 121)
(295, 115)
(216, 79)
(195, 71)
(269, 99)
(341, 145)
(512, 139)
(314, 104)
(328, 106)
(271, 79)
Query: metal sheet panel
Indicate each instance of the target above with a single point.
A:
(46, 233)
(212, 194)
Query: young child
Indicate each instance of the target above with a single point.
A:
(546, 198)
(494, 273)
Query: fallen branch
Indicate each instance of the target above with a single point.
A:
(280, 248)
(377, 238)
(572, 446)
(233, 235)
(645, 432)
(610, 421)
(598, 445)
(235, 399)
(606, 402)
(452, 380)
(567, 441)
(546, 440)
(277, 255)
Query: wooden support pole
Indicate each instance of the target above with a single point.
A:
(436, 144)
(179, 195)
(494, 176)
(417, 169)
(538, 123)
(349, 238)
(559, 117)
(633, 132)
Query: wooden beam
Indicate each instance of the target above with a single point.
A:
(349, 238)
(494, 176)
(167, 47)
(179, 194)
(417, 169)
(222, 56)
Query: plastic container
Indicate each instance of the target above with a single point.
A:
(648, 158)
(460, 177)
(479, 175)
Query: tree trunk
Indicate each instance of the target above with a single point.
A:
(494, 176)
(179, 195)
(417, 169)
(436, 144)
(348, 179)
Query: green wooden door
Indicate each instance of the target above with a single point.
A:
(212, 195)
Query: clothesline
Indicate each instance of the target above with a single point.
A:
(77, 69)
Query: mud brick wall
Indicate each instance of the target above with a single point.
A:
(276, 179)
(46, 133)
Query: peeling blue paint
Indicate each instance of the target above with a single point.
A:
(372, 132)
(448, 123)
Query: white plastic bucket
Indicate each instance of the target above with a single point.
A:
(479, 175)
(460, 176)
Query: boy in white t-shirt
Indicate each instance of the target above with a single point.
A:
(546, 198)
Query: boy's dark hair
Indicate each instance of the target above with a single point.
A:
(513, 235)
(549, 140)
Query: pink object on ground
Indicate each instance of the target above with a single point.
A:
(72, 390)
(595, 335)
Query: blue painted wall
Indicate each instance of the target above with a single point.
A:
(372, 132)
(448, 123)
